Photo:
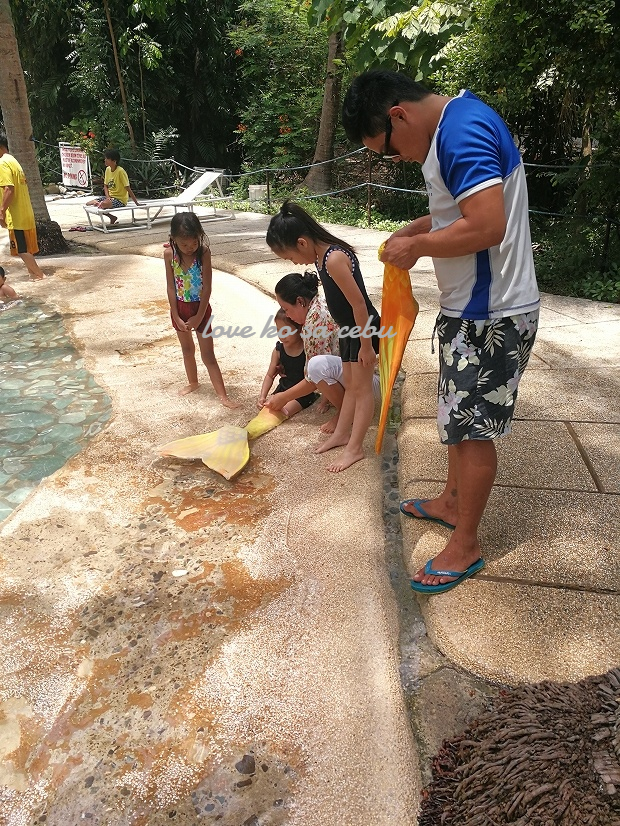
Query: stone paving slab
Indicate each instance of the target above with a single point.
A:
(562, 635)
(594, 343)
(601, 442)
(580, 309)
(521, 462)
(524, 539)
(575, 395)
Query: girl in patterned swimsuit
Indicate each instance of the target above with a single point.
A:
(188, 280)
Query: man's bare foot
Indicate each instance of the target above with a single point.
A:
(229, 403)
(454, 557)
(330, 425)
(334, 441)
(346, 460)
(189, 388)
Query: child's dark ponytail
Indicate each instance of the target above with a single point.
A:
(291, 223)
(295, 285)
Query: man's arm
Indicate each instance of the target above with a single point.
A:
(7, 197)
(482, 225)
(419, 226)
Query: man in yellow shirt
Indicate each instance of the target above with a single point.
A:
(115, 185)
(16, 213)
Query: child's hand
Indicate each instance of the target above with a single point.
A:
(275, 403)
(193, 322)
(261, 402)
(182, 325)
(367, 356)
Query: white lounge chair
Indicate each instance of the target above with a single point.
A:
(194, 195)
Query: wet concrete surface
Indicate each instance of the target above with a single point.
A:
(179, 648)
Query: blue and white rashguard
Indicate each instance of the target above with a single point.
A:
(471, 150)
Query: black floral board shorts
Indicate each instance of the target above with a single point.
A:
(480, 366)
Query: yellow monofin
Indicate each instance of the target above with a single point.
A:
(226, 451)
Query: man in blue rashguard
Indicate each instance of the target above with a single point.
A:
(478, 235)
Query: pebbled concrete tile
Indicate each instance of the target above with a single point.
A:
(580, 395)
(515, 633)
(534, 455)
(579, 309)
(601, 443)
(419, 394)
(580, 345)
(559, 538)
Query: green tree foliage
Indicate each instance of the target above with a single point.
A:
(176, 63)
(281, 68)
(394, 34)
(41, 30)
(195, 87)
(552, 73)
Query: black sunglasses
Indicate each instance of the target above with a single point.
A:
(388, 136)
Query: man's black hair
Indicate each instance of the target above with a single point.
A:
(369, 98)
(3, 140)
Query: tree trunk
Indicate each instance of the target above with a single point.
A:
(16, 113)
(319, 178)
(119, 74)
(16, 116)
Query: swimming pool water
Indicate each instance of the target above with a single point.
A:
(50, 405)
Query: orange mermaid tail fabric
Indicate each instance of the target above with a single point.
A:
(398, 310)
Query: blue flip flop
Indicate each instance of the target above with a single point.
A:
(461, 576)
(417, 504)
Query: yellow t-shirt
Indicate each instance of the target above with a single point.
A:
(117, 183)
(19, 214)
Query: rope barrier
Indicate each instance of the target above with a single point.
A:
(366, 184)
(296, 168)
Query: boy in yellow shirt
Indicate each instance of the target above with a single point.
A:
(16, 210)
(115, 185)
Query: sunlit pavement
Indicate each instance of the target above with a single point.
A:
(176, 647)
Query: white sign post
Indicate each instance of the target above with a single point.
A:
(75, 166)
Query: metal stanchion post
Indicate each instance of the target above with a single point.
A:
(268, 194)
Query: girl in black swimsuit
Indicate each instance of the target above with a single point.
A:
(288, 361)
(295, 236)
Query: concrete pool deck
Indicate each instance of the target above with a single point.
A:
(293, 664)
(178, 648)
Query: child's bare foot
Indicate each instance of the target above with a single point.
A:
(113, 220)
(229, 403)
(189, 388)
(330, 425)
(346, 460)
(337, 441)
(323, 406)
